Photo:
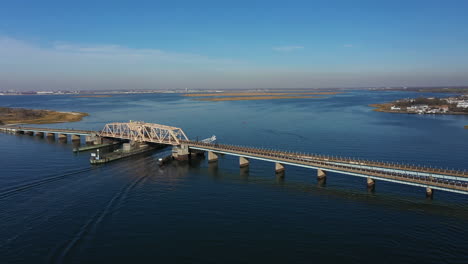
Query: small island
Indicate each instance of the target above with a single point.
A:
(35, 116)
(457, 105)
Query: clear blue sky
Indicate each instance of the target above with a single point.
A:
(232, 44)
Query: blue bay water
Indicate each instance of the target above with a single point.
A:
(56, 208)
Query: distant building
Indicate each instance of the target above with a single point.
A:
(395, 108)
(462, 104)
(444, 108)
(411, 108)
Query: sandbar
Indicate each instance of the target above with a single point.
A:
(249, 98)
(257, 94)
(37, 116)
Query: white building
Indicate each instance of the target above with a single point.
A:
(462, 104)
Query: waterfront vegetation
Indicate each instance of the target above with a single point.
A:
(37, 116)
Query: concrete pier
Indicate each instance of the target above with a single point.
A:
(75, 137)
(429, 192)
(279, 168)
(321, 182)
(180, 152)
(89, 139)
(93, 139)
(243, 162)
(370, 185)
(370, 182)
(212, 157)
(197, 153)
(321, 174)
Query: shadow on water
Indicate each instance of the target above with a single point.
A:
(182, 168)
(368, 195)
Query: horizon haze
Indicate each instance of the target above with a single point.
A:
(55, 45)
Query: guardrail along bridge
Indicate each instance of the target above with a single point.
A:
(429, 178)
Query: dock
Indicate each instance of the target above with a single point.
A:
(97, 158)
(91, 147)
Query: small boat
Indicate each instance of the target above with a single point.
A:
(162, 161)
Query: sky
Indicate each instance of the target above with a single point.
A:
(82, 45)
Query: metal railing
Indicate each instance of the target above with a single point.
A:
(371, 169)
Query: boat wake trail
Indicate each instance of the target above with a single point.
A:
(17, 189)
(88, 230)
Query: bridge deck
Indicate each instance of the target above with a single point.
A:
(451, 180)
(51, 130)
(400, 174)
(349, 161)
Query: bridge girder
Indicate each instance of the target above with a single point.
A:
(144, 132)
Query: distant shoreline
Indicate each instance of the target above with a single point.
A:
(252, 98)
(10, 116)
(386, 108)
(257, 94)
(95, 96)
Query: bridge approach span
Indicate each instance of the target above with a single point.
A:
(454, 181)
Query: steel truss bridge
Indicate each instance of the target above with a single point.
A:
(144, 132)
(421, 176)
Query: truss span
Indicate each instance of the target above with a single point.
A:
(144, 132)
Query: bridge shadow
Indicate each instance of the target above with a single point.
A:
(244, 173)
(367, 195)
